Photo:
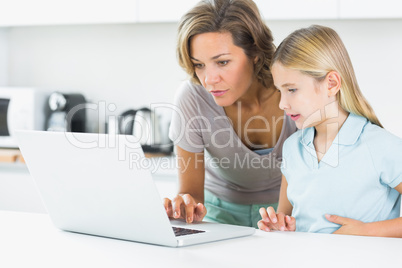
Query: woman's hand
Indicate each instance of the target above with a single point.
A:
(183, 206)
(188, 204)
(273, 221)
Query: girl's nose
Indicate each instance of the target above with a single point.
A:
(283, 103)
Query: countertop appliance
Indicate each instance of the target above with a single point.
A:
(21, 108)
(145, 125)
(67, 112)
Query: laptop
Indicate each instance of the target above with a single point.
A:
(95, 184)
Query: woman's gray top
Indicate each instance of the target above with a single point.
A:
(234, 172)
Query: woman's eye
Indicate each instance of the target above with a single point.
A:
(223, 62)
(292, 90)
(198, 65)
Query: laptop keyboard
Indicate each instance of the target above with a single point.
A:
(184, 231)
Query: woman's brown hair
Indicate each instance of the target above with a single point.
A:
(242, 20)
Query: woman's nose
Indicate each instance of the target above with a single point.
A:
(211, 77)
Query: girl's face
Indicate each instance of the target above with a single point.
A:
(304, 99)
(222, 68)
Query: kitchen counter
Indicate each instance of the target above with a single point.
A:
(11, 156)
(14, 155)
(31, 240)
(159, 164)
(18, 191)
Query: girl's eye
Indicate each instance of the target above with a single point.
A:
(292, 90)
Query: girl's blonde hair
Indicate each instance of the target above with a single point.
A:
(242, 19)
(318, 50)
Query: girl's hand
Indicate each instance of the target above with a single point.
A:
(184, 207)
(348, 226)
(273, 221)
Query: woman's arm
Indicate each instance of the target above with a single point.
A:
(387, 228)
(188, 204)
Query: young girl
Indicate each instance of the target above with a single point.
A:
(342, 172)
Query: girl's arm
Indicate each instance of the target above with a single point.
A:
(284, 205)
(387, 228)
(188, 204)
(279, 220)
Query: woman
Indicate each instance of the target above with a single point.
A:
(342, 171)
(229, 131)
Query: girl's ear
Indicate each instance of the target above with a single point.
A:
(334, 83)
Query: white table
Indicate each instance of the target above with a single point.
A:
(30, 240)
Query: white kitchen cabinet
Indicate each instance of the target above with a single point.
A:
(171, 11)
(298, 9)
(56, 12)
(61, 12)
(162, 10)
(370, 9)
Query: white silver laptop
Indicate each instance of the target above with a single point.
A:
(89, 184)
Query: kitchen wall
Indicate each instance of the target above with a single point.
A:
(3, 57)
(133, 65)
(130, 65)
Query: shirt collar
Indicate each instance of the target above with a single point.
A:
(348, 134)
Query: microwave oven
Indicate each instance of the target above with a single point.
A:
(21, 108)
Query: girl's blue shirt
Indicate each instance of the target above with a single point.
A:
(355, 178)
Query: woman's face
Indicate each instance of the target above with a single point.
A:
(302, 97)
(223, 69)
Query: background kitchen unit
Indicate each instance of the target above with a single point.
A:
(123, 52)
(133, 65)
